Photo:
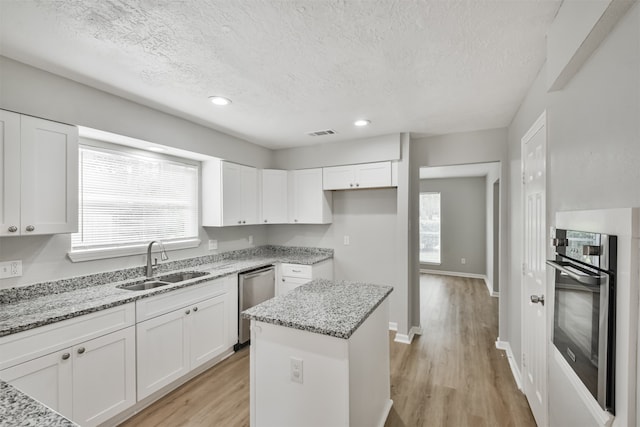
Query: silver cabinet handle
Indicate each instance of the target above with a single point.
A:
(13, 229)
(195, 309)
(283, 280)
(350, 185)
(30, 228)
(187, 312)
(296, 271)
(239, 222)
(295, 220)
(65, 356)
(244, 222)
(537, 299)
(265, 220)
(357, 185)
(81, 350)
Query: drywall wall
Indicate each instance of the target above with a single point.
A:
(28, 90)
(463, 227)
(368, 218)
(593, 130)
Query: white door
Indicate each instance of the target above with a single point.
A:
(231, 194)
(104, 377)
(274, 196)
(534, 328)
(338, 177)
(163, 354)
(310, 205)
(46, 379)
(49, 177)
(249, 192)
(9, 173)
(207, 330)
(372, 175)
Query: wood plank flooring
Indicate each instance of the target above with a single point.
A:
(450, 376)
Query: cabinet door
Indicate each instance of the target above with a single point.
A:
(310, 205)
(338, 177)
(46, 379)
(9, 173)
(372, 175)
(207, 325)
(49, 177)
(104, 378)
(231, 194)
(249, 192)
(163, 355)
(290, 283)
(274, 196)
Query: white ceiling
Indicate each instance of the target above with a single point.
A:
(294, 66)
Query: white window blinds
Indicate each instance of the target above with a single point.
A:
(128, 199)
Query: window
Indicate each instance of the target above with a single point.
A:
(128, 199)
(430, 228)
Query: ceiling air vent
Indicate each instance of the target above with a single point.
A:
(322, 132)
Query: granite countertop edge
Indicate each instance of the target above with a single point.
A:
(16, 321)
(20, 409)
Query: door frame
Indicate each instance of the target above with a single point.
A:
(540, 122)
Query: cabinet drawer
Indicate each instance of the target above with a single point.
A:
(27, 345)
(296, 270)
(155, 306)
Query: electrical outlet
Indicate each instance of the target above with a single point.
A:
(213, 245)
(346, 240)
(10, 269)
(463, 260)
(297, 370)
(250, 240)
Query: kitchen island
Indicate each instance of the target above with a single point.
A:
(320, 356)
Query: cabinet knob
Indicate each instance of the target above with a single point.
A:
(187, 312)
(30, 228)
(283, 280)
(357, 185)
(295, 220)
(195, 308)
(239, 222)
(81, 350)
(13, 229)
(65, 356)
(265, 220)
(350, 185)
(244, 222)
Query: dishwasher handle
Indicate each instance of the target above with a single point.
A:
(258, 273)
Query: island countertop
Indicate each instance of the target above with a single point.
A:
(334, 308)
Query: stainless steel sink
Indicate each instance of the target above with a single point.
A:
(151, 284)
(180, 277)
(165, 280)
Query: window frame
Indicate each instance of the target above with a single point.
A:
(89, 254)
(439, 193)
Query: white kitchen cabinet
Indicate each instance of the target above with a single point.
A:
(366, 175)
(309, 203)
(38, 176)
(274, 196)
(290, 276)
(229, 194)
(88, 383)
(172, 344)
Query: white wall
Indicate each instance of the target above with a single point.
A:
(28, 90)
(463, 225)
(593, 156)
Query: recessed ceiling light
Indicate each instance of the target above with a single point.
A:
(362, 122)
(219, 100)
(156, 149)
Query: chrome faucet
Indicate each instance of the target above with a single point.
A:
(163, 257)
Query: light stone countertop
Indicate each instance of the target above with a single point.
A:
(19, 410)
(334, 308)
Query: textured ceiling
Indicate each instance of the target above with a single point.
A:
(295, 66)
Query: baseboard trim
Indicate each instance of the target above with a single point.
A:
(494, 294)
(385, 414)
(504, 345)
(393, 326)
(454, 273)
(408, 338)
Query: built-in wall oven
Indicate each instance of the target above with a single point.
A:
(585, 308)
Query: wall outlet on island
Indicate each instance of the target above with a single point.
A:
(213, 245)
(296, 370)
(10, 269)
(463, 260)
(251, 240)
(346, 240)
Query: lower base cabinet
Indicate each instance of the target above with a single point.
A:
(88, 383)
(173, 344)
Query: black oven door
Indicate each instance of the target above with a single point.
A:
(583, 325)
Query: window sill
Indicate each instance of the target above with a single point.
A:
(122, 251)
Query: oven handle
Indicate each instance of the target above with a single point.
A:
(586, 279)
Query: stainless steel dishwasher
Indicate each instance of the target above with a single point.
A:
(254, 287)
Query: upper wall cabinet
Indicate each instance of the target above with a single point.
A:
(274, 196)
(38, 176)
(309, 203)
(229, 194)
(367, 175)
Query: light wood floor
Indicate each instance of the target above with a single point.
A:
(450, 376)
